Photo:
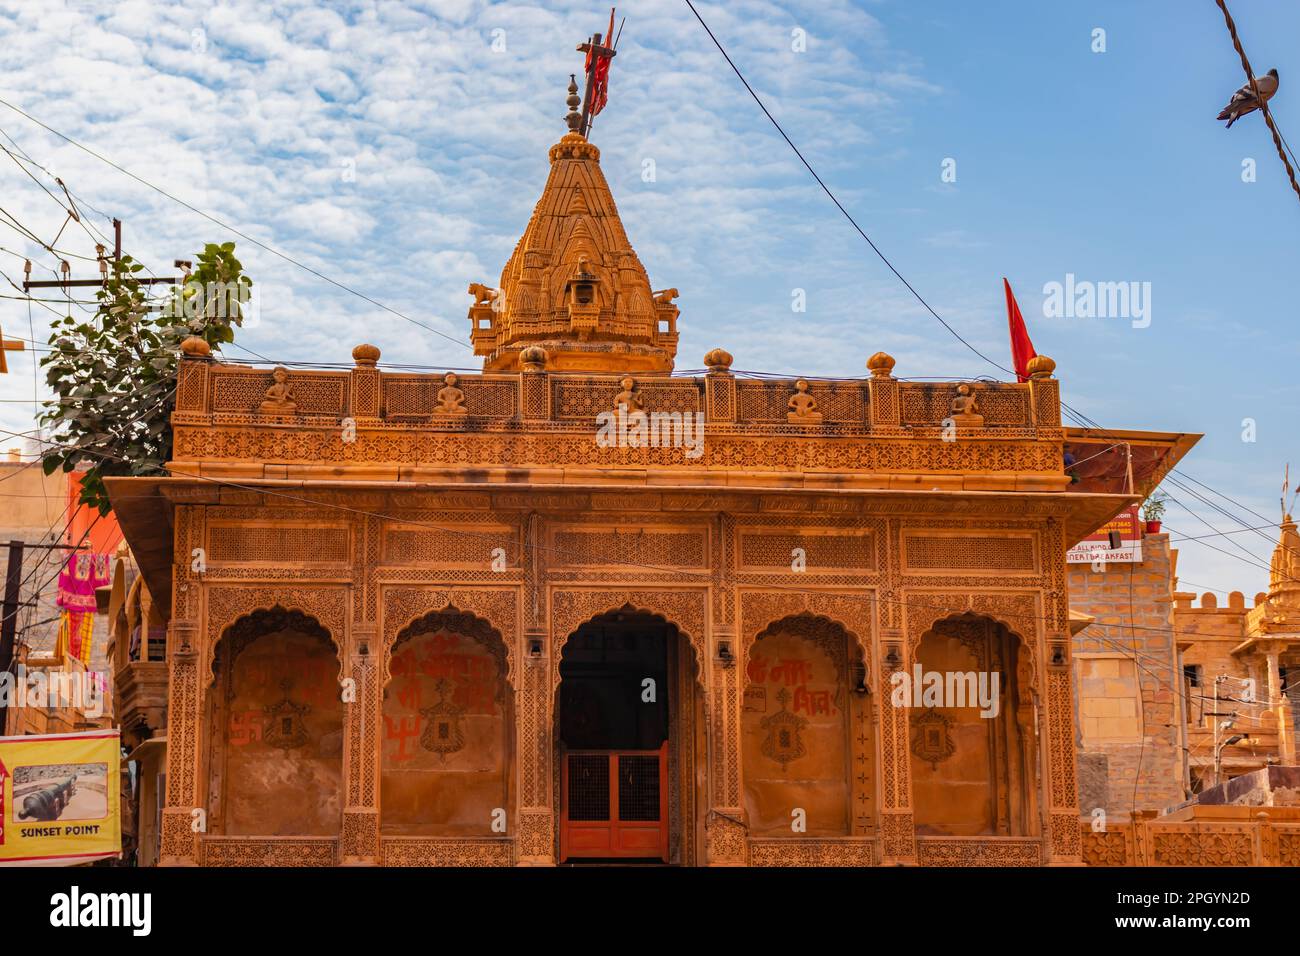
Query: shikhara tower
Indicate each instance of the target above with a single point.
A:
(573, 285)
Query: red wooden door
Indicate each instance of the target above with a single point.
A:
(614, 804)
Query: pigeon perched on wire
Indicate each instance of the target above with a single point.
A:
(1244, 100)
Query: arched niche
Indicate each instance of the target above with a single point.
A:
(276, 728)
(627, 692)
(448, 726)
(807, 743)
(974, 754)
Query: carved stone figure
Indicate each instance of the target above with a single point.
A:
(803, 407)
(482, 294)
(451, 400)
(279, 397)
(629, 400)
(965, 408)
(665, 297)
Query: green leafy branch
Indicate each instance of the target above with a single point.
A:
(114, 374)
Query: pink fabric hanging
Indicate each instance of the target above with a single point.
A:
(84, 572)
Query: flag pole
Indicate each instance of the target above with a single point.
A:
(591, 85)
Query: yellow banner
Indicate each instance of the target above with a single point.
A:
(59, 798)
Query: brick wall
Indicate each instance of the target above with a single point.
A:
(1128, 712)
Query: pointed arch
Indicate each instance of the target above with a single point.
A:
(227, 605)
(404, 605)
(1015, 612)
(855, 613)
(683, 609)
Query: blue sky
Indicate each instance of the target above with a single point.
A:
(391, 147)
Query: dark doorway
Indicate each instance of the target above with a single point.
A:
(614, 720)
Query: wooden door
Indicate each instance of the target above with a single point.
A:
(614, 804)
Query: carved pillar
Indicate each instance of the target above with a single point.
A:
(726, 829)
(894, 782)
(1281, 710)
(894, 777)
(1063, 845)
(363, 691)
(192, 377)
(364, 387)
(719, 387)
(360, 845)
(535, 836)
(181, 826)
(534, 385)
(535, 832)
(1046, 392)
(885, 408)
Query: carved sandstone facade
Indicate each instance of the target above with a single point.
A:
(383, 611)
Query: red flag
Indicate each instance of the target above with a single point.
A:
(1022, 350)
(600, 86)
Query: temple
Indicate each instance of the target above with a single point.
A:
(578, 608)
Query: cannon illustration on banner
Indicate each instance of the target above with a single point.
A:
(49, 802)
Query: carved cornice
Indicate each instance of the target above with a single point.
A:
(575, 445)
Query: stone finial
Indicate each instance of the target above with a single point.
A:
(196, 348)
(366, 356)
(574, 118)
(718, 360)
(1040, 366)
(881, 365)
(533, 358)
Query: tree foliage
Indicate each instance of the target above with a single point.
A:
(114, 373)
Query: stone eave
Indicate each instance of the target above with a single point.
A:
(1104, 451)
(1261, 642)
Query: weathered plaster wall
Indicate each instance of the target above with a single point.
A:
(284, 738)
(796, 719)
(445, 738)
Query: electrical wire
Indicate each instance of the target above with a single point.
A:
(232, 229)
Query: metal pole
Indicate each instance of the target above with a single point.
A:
(1217, 755)
(8, 629)
(591, 84)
